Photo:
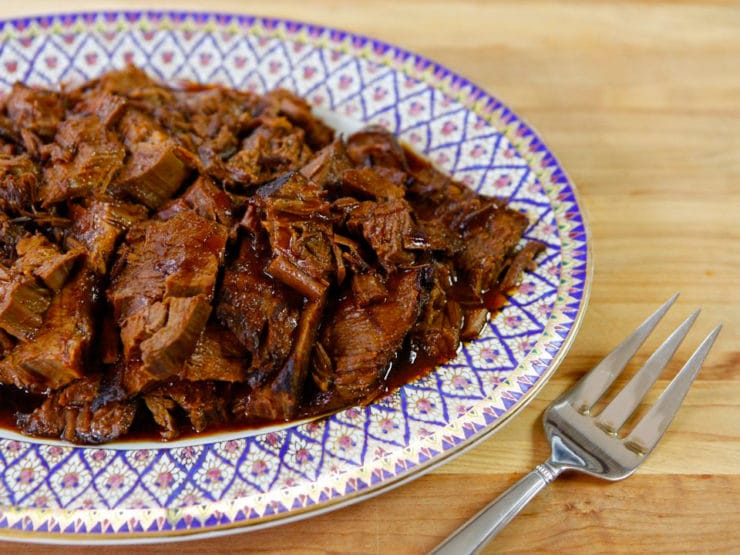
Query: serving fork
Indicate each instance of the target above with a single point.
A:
(591, 443)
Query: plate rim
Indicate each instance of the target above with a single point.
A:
(493, 108)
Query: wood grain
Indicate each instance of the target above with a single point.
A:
(641, 104)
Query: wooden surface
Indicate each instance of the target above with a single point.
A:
(641, 104)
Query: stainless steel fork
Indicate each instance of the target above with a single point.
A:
(590, 443)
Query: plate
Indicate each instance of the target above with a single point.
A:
(54, 492)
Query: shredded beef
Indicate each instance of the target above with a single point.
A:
(362, 341)
(85, 157)
(37, 110)
(23, 303)
(161, 296)
(278, 399)
(261, 312)
(80, 413)
(202, 403)
(190, 257)
(98, 226)
(57, 355)
(19, 181)
(10, 234)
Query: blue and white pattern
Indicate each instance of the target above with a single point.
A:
(51, 491)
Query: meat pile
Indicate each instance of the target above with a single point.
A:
(193, 257)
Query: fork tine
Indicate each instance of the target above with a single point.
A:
(593, 385)
(651, 427)
(616, 413)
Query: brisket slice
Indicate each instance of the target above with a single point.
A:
(369, 183)
(368, 288)
(376, 146)
(206, 199)
(40, 269)
(261, 312)
(388, 228)
(202, 403)
(278, 399)
(281, 102)
(19, 181)
(218, 355)
(274, 147)
(39, 257)
(170, 345)
(327, 165)
(362, 342)
(211, 121)
(23, 303)
(209, 201)
(200, 394)
(439, 238)
(488, 232)
(209, 109)
(488, 249)
(58, 353)
(155, 168)
(297, 219)
(86, 157)
(162, 293)
(164, 349)
(79, 413)
(436, 334)
(98, 225)
(164, 260)
(521, 261)
(37, 110)
(109, 107)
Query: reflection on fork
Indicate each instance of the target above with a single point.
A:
(589, 442)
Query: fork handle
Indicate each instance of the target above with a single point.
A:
(479, 530)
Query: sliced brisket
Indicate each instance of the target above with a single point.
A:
(37, 110)
(362, 341)
(86, 157)
(19, 182)
(162, 293)
(194, 256)
(261, 312)
(58, 353)
(79, 414)
(98, 225)
(202, 403)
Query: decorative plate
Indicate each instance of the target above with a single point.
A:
(54, 492)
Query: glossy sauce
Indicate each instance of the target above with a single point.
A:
(15, 401)
(410, 368)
